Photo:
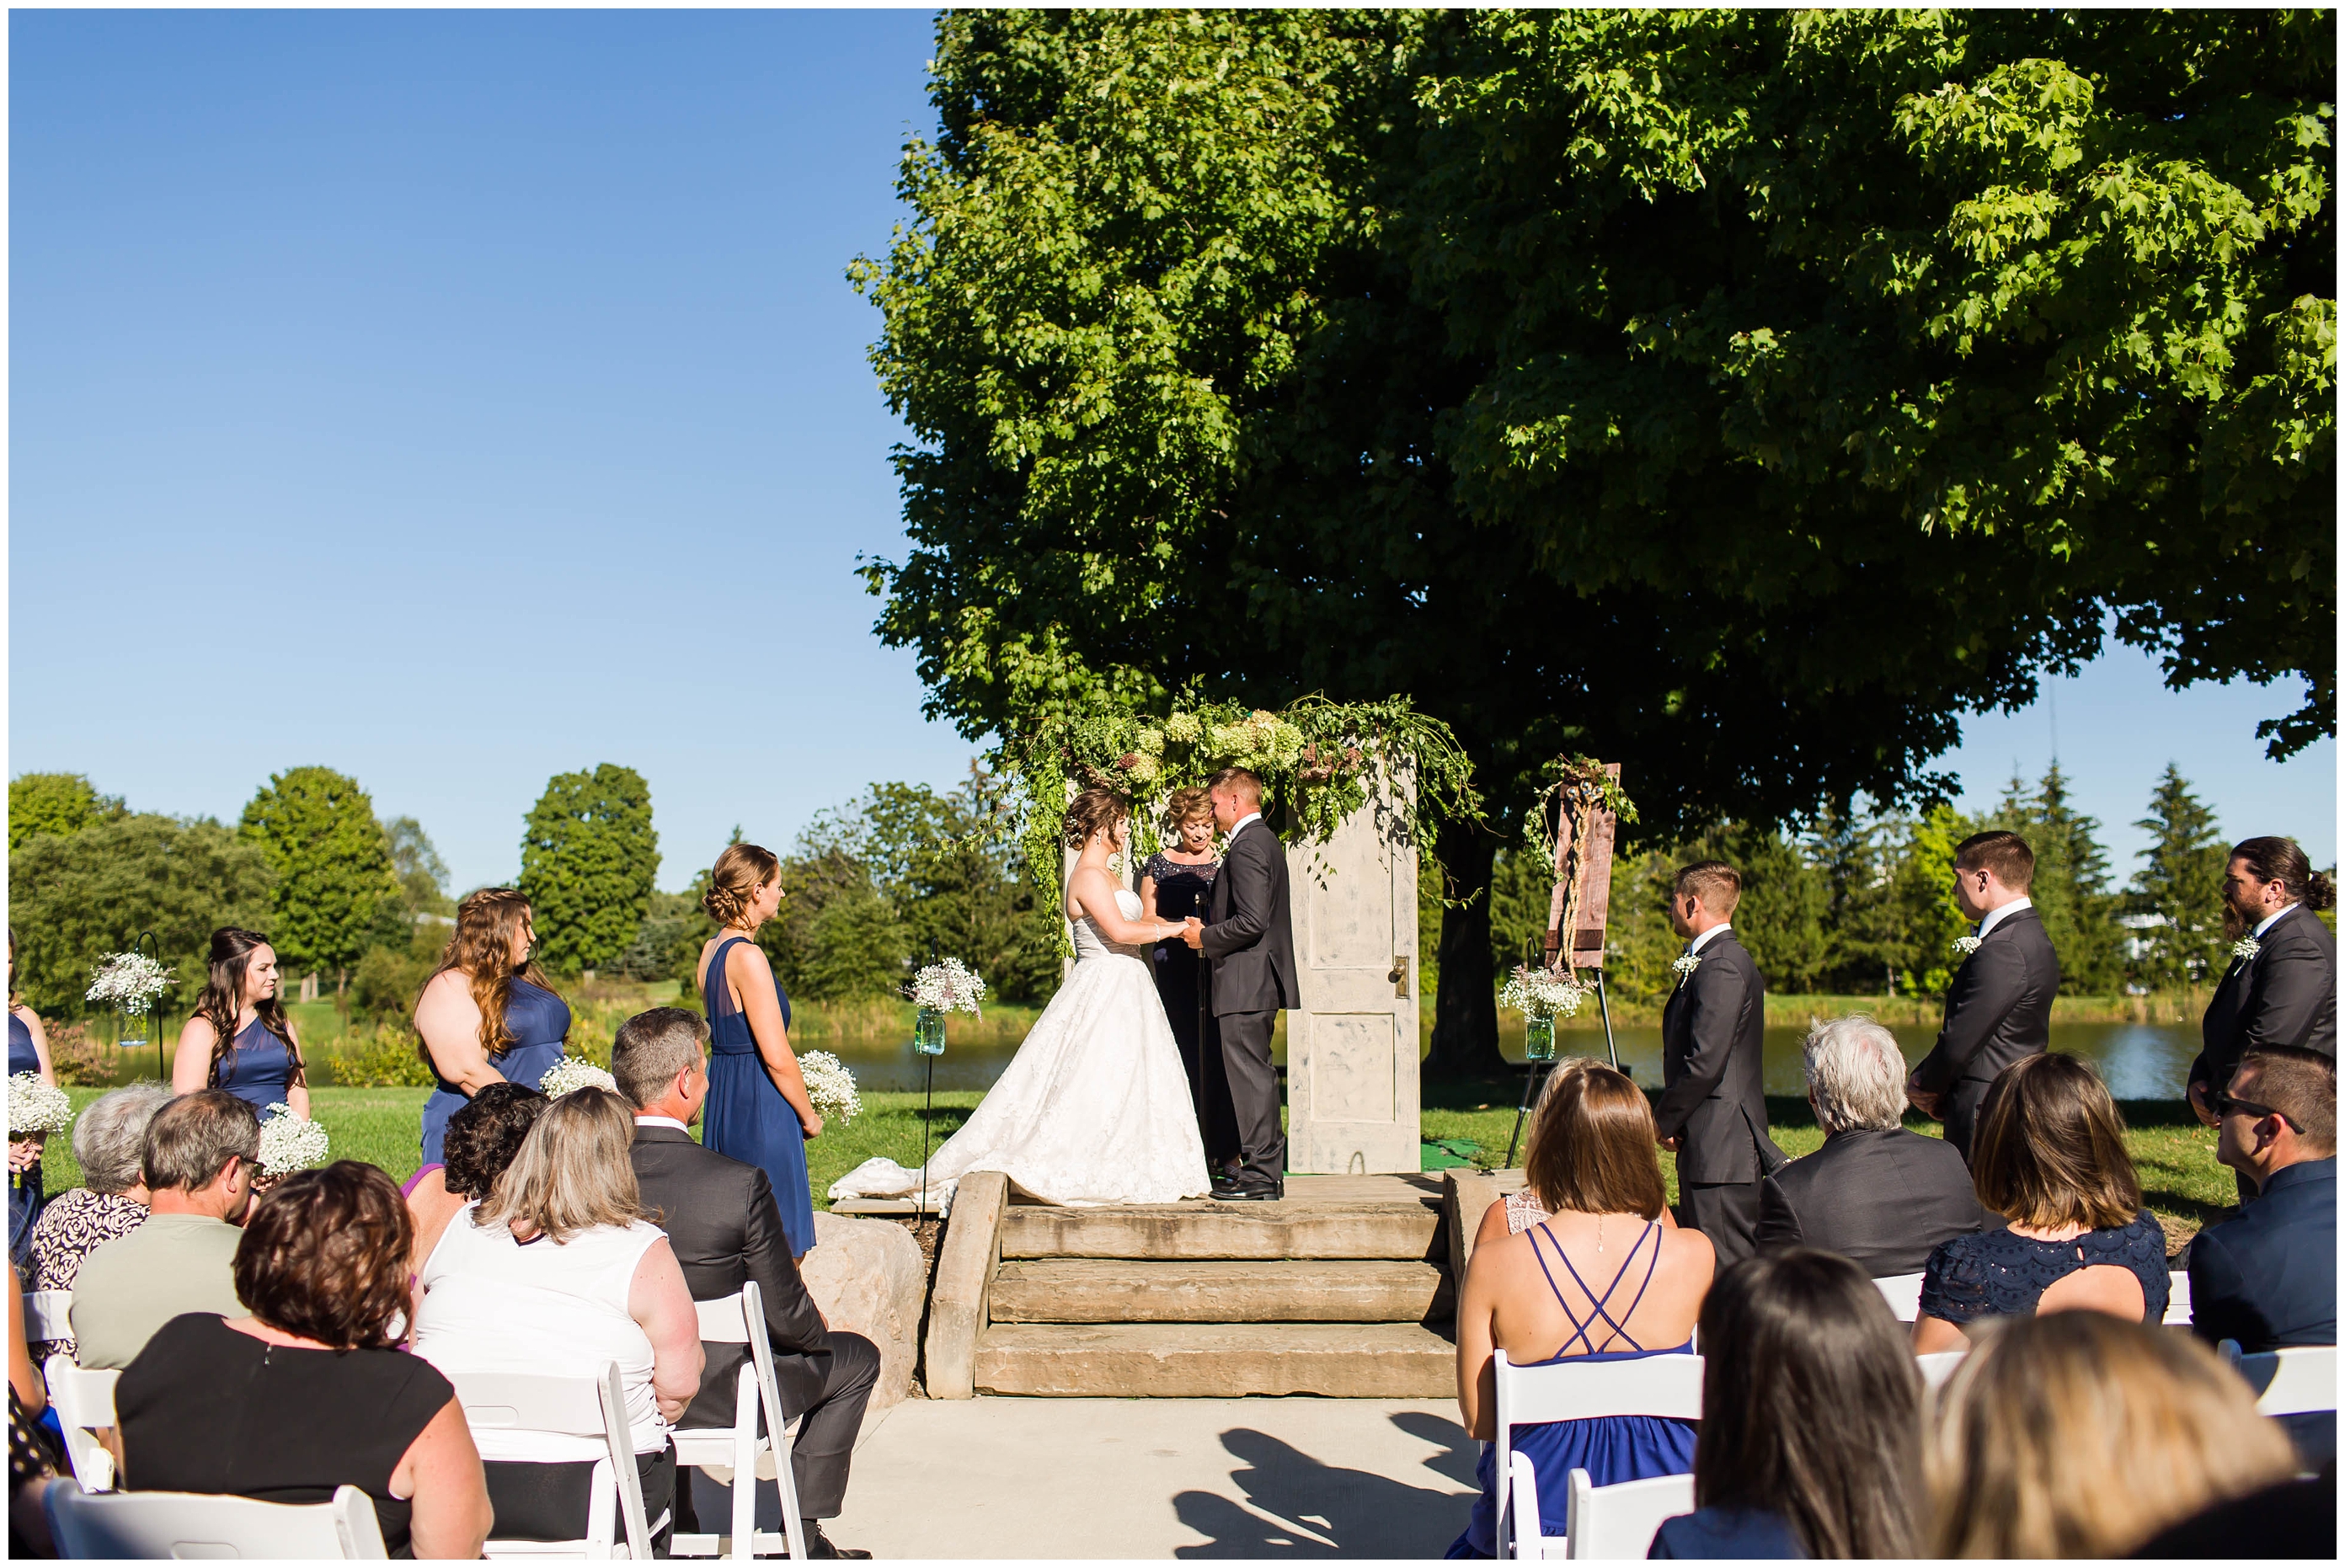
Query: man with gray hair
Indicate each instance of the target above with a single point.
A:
(1877, 1195)
(109, 1144)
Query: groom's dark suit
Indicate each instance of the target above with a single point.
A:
(1249, 943)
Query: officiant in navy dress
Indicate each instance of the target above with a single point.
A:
(1174, 884)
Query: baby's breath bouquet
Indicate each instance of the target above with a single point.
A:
(1543, 993)
(36, 1107)
(290, 1143)
(127, 982)
(950, 986)
(576, 1073)
(831, 1087)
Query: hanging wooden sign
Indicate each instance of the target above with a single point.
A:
(1584, 829)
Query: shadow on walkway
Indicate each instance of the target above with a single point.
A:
(1303, 1507)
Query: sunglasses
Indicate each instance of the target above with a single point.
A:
(2226, 1104)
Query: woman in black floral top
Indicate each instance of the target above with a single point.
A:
(108, 1140)
(1173, 885)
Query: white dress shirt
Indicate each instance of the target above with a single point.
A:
(1721, 929)
(1250, 817)
(662, 1121)
(1997, 914)
(2267, 924)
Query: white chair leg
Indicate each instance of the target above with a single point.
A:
(1522, 1481)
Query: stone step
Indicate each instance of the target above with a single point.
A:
(1216, 1361)
(1402, 1230)
(1218, 1291)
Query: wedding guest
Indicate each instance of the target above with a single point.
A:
(239, 1039)
(1599, 1279)
(1999, 1002)
(1175, 884)
(28, 1052)
(34, 1455)
(1880, 1196)
(488, 1015)
(720, 1217)
(2281, 986)
(2268, 1276)
(759, 1112)
(311, 1391)
(2077, 1434)
(2050, 1160)
(557, 1273)
(480, 1142)
(1518, 1211)
(109, 1141)
(200, 1153)
(2295, 1520)
(1811, 1441)
(1713, 1107)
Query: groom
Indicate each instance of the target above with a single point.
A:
(1249, 943)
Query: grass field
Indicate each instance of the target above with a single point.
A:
(2175, 1155)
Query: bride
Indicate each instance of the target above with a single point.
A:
(1094, 1108)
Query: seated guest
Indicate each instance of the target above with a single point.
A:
(2269, 1277)
(2078, 1434)
(2295, 1520)
(1519, 1211)
(1600, 1279)
(197, 1165)
(1785, 1338)
(721, 1218)
(557, 1273)
(109, 1139)
(2050, 1158)
(34, 1456)
(1877, 1195)
(482, 1141)
(310, 1391)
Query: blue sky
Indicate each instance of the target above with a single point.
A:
(459, 398)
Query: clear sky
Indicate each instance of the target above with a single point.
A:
(459, 398)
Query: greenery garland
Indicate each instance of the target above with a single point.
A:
(1318, 761)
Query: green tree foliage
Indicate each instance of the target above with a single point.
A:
(1629, 383)
(422, 874)
(2181, 883)
(333, 868)
(2070, 891)
(54, 803)
(589, 856)
(73, 896)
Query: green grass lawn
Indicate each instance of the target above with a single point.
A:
(2175, 1155)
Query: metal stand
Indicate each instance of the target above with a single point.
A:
(1605, 1008)
(1531, 1074)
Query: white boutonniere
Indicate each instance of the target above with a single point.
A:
(1686, 966)
(1966, 945)
(2246, 948)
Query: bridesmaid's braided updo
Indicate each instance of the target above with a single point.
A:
(734, 881)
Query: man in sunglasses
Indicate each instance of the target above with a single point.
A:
(2269, 1278)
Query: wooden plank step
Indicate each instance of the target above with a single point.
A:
(1216, 1361)
(1218, 1291)
(1259, 1230)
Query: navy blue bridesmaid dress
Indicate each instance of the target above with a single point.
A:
(538, 1021)
(746, 1118)
(257, 1068)
(26, 1196)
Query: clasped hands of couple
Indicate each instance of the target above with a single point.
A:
(1192, 932)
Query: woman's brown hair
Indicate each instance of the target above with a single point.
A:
(324, 1255)
(1091, 812)
(223, 999)
(1592, 1149)
(1785, 1338)
(2050, 1150)
(1186, 806)
(482, 949)
(734, 881)
(573, 1172)
(2077, 1434)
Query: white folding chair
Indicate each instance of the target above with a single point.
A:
(83, 1402)
(188, 1524)
(2298, 1380)
(739, 1453)
(1938, 1366)
(47, 1316)
(1904, 1294)
(2178, 1299)
(1666, 1386)
(539, 1420)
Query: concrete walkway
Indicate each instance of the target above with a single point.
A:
(1157, 1478)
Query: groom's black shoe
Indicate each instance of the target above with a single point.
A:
(1225, 1187)
(1254, 1192)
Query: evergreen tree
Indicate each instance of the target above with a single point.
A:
(2181, 883)
(2071, 890)
(318, 829)
(588, 857)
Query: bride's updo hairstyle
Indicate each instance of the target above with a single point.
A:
(1091, 812)
(734, 881)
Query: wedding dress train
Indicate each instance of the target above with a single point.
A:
(1094, 1108)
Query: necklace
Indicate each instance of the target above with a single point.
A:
(1599, 1233)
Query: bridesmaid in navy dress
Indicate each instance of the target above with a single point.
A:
(240, 1039)
(1173, 885)
(759, 1111)
(28, 1052)
(488, 1015)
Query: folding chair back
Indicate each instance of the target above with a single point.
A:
(2298, 1381)
(738, 1454)
(1621, 1521)
(187, 1525)
(47, 1315)
(1669, 1386)
(567, 1420)
(1938, 1366)
(83, 1402)
(1904, 1294)
(2178, 1299)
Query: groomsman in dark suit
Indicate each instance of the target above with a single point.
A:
(1999, 1005)
(1248, 940)
(2281, 986)
(1713, 1107)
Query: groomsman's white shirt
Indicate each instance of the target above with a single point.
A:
(1721, 929)
(1241, 827)
(2267, 924)
(1997, 914)
(661, 1121)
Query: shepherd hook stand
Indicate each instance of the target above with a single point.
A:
(1532, 1075)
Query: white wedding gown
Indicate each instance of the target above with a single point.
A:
(1094, 1108)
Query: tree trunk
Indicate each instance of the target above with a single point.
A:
(1466, 1009)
